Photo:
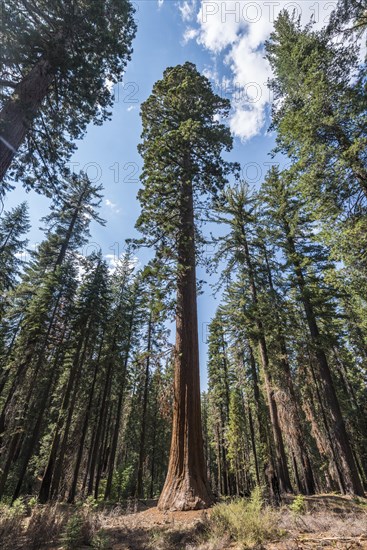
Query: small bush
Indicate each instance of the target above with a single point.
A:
(32, 503)
(90, 504)
(11, 518)
(18, 508)
(100, 541)
(24, 526)
(74, 532)
(298, 505)
(246, 521)
(81, 528)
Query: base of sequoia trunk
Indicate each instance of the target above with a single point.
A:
(184, 495)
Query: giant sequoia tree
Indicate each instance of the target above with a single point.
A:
(182, 144)
(59, 61)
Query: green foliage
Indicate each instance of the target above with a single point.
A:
(183, 138)
(73, 536)
(86, 47)
(122, 479)
(298, 505)
(101, 540)
(16, 509)
(13, 225)
(248, 522)
(90, 504)
(349, 18)
(319, 114)
(32, 502)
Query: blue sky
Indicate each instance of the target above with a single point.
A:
(225, 40)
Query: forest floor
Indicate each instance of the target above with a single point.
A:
(326, 522)
(330, 522)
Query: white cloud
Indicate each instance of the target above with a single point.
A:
(112, 205)
(131, 108)
(189, 34)
(187, 9)
(114, 261)
(235, 31)
(217, 31)
(160, 3)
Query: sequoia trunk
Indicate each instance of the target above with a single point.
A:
(186, 486)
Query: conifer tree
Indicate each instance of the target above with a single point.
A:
(44, 298)
(236, 437)
(13, 225)
(59, 62)
(349, 17)
(219, 392)
(183, 168)
(319, 112)
(306, 260)
(235, 209)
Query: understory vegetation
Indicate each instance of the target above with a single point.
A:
(240, 524)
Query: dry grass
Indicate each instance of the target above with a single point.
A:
(24, 527)
(327, 522)
(248, 522)
(49, 526)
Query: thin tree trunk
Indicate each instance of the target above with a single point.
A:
(24, 365)
(139, 488)
(115, 435)
(72, 492)
(70, 401)
(352, 481)
(45, 488)
(253, 444)
(152, 465)
(308, 483)
(105, 453)
(281, 460)
(99, 430)
(219, 461)
(34, 438)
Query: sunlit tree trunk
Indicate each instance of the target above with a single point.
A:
(186, 486)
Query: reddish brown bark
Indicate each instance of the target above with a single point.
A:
(186, 486)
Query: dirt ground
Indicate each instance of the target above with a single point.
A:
(330, 522)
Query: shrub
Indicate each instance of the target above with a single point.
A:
(18, 508)
(100, 541)
(246, 521)
(298, 505)
(81, 528)
(73, 534)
